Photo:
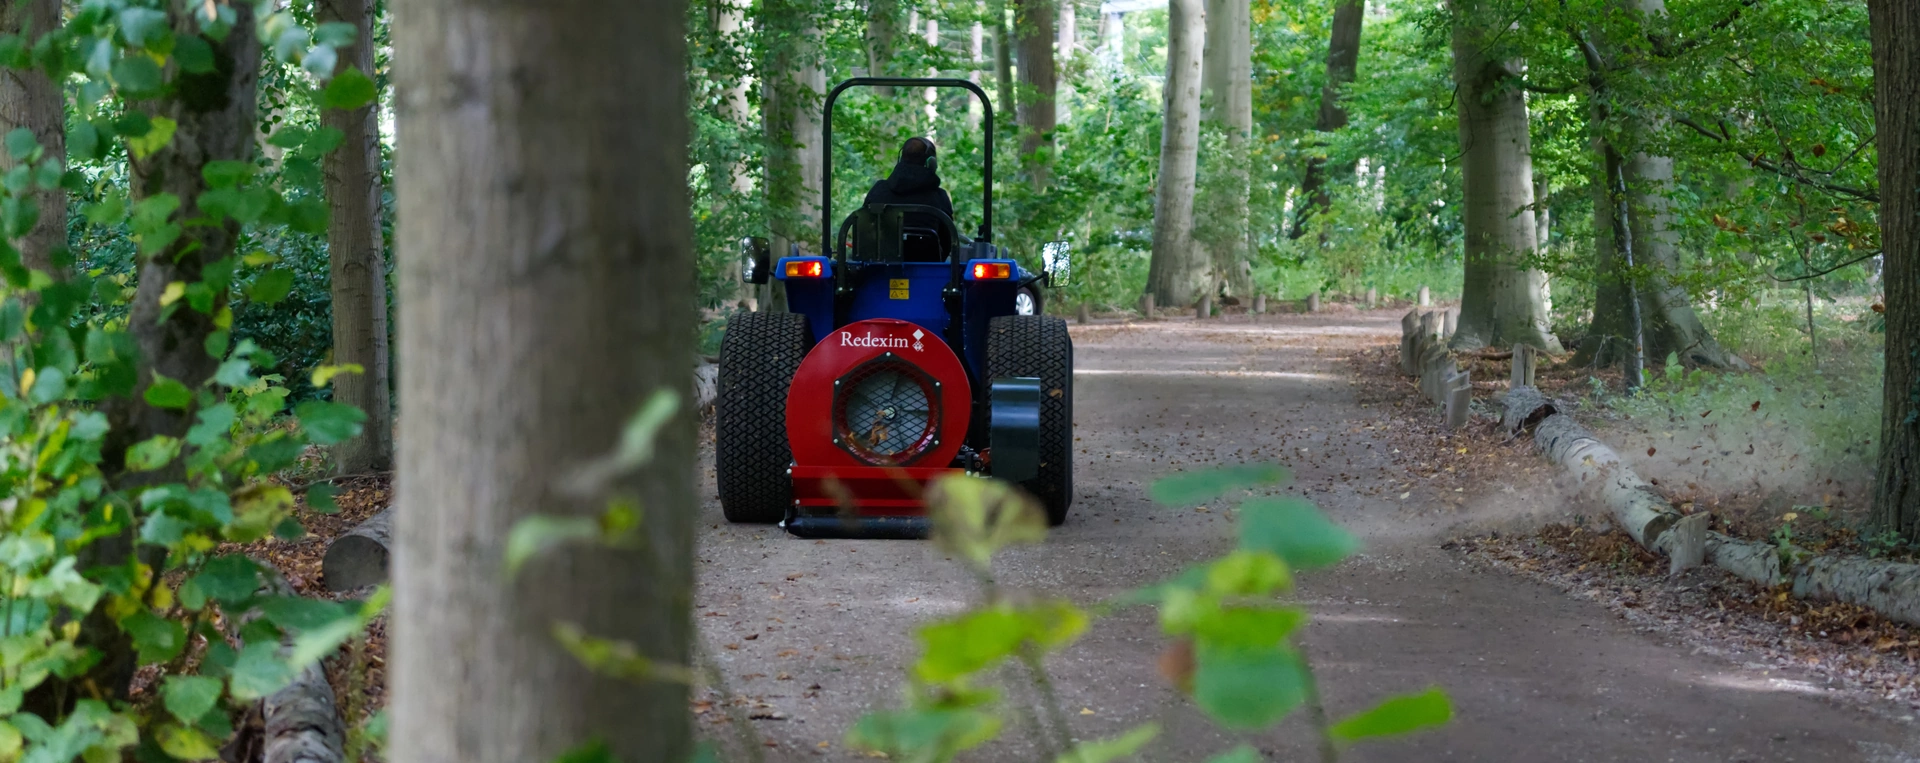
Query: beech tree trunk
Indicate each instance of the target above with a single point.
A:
(728, 23)
(883, 38)
(1004, 97)
(1343, 62)
(976, 49)
(1896, 106)
(1503, 302)
(795, 88)
(1033, 23)
(31, 99)
(1669, 324)
(546, 291)
(1179, 271)
(1067, 27)
(356, 255)
(1226, 83)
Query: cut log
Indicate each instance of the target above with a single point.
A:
(1459, 399)
(1084, 314)
(1689, 546)
(1426, 296)
(1526, 407)
(1313, 302)
(1409, 342)
(1637, 508)
(359, 558)
(1373, 298)
(1449, 322)
(1523, 366)
(1259, 304)
(1204, 309)
(302, 721)
(706, 384)
(1146, 306)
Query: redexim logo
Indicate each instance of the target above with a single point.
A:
(847, 339)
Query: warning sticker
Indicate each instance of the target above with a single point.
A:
(896, 288)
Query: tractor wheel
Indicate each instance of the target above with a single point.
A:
(1038, 346)
(758, 358)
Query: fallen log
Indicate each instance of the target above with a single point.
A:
(1889, 588)
(359, 558)
(706, 384)
(303, 721)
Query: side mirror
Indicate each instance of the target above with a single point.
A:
(755, 260)
(1056, 260)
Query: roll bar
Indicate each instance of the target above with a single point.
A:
(826, 148)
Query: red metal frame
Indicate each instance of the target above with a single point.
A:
(828, 476)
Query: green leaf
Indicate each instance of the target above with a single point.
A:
(138, 24)
(595, 751)
(155, 139)
(1108, 750)
(185, 743)
(1248, 573)
(320, 498)
(1252, 627)
(1190, 488)
(49, 384)
(211, 425)
(972, 642)
(226, 173)
(339, 34)
(1397, 715)
(189, 698)
(235, 373)
(258, 672)
(83, 140)
(21, 143)
(168, 393)
(635, 449)
(137, 76)
(152, 453)
(110, 210)
(1295, 531)
(271, 287)
(328, 423)
(1241, 754)
(193, 53)
(974, 517)
(300, 613)
(229, 579)
(350, 89)
(1247, 687)
(923, 734)
(157, 639)
(532, 535)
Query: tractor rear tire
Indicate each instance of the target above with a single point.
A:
(1039, 346)
(758, 358)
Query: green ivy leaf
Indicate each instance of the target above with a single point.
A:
(1190, 488)
(1295, 531)
(271, 287)
(137, 76)
(189, 698)
(1397, 715)
(168, 393)
(153, 453)
(229, 579)
(328, 423)
(193, 53)
(1247, 687)
(350, 89)
(157, 639)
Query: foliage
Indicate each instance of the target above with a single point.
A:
(113, 544)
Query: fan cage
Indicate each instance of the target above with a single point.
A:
(874, 410)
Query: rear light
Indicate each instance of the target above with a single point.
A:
(805, 269)
(992, 271)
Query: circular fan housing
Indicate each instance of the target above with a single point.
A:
(879, 392)
(885, 411)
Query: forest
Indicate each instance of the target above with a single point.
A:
(366, 381)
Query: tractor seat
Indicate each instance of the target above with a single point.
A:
(923, 245)
(900, 233)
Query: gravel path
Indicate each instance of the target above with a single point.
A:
(811, 634)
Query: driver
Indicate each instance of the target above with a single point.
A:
(914, 181)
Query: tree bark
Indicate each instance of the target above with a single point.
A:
(360, 558)
(1002, 57)
(1669, 324)
(794, 89)
(1226, 84)
(1343, 62)
(303, 721)
(31, 99)
(547, 289)
(1068, 29)
(1179, 271)
(883, 39)
(728, 22)
(356, 255)
(1033, 23)
(1503, 302)
(1896, 106)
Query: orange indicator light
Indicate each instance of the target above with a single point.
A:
(992, 271)
(805, 269)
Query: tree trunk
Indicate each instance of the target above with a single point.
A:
(360, 558)
(1343, 61)
(791, 113)
(976, 48)
(356, 255)
(547, 290)
(1226, 77)
(1068, 47)
(1896, 105)
(883, 39)
(1503, 302)
(728, 23)
(1669, 324)
(31, 99)
(1033, 22)
(1179, 271)
(1002, 57)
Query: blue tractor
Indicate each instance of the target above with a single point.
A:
(907, 353)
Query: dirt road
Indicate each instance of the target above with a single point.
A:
(814, 633)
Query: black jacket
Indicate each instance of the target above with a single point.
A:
(913, 184)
